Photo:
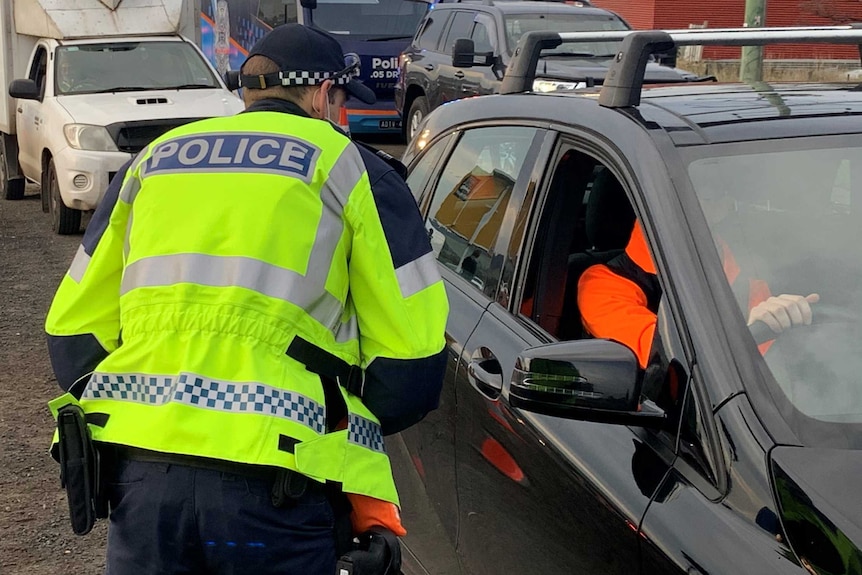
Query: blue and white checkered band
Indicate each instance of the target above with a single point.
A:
(196, 391)
(302, 78)
(365, 432)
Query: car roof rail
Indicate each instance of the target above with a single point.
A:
(625, 77)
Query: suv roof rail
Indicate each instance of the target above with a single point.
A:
(577, 3)
(624, 80)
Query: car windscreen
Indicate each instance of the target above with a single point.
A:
(519, 24)
(128, 66)
(786, 220)
(373, 20)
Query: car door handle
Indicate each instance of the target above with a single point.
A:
(486, 377)
(459, 74)
(428, 67)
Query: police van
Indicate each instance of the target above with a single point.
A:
(376, 30)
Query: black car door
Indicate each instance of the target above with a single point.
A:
(480, 80)
(425, 57)
(448, 76)
(465, 203)
(539, 494)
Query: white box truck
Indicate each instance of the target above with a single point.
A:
(91, 83)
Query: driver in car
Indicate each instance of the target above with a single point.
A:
(619, 300)
(71, 78)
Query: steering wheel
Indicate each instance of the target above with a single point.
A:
(822, 314)
(817, 366)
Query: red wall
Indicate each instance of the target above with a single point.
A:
(674, 14)
(639, 14)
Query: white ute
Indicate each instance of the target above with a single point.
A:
(91, 83)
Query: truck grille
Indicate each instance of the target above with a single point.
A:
(132, 137)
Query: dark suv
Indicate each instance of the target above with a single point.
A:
(435, 71)
(736, 450)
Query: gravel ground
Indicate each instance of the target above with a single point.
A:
(35, 535)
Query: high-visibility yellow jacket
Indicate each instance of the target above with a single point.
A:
(230, 241)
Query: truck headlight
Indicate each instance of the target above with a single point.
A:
(544, 85)
(87, 137)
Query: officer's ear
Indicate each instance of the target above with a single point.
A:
(320, 99)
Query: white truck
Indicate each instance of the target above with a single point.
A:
(91, 83)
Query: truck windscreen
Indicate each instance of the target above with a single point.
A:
(373, 20)
(130, 66)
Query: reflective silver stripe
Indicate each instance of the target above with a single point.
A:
(79, 264)
(132, 183)
(417, 275)
(342, 179)
(126, 246)
(229, 271)
(365, 432)
(347, 331)
(130, 189)
(205, 393)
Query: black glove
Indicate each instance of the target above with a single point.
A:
(375, 552)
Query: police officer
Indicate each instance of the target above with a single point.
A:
(248, 284)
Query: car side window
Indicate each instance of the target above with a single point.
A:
(482, 37)
(39, 68)
(423, 168)
(586, 219)
(586, 222)
(470, 200)
(462, 25)
(429, 37)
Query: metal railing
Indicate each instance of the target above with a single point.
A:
(624, 80)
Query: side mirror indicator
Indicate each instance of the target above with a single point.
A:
(589, 380)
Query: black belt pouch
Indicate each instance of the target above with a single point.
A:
(78, 467)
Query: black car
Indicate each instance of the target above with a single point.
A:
(435, 71)
(552, 452)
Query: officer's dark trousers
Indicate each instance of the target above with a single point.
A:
(172, 519)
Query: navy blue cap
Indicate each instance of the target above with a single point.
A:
(305, 57)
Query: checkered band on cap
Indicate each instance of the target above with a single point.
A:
(303, 78)
(197, 391)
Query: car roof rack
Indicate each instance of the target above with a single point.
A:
(625, 77)
(576, 3)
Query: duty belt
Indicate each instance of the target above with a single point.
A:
(287, 484)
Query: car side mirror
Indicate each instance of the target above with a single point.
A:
(310, 4)
(462, 53)
(589, 380)
(24, 90)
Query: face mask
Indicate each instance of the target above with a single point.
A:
(334, 121)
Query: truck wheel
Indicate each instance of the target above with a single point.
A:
(64, 220)
(11, 189)
(45, 193)
(418, 111)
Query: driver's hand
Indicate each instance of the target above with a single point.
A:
(784, 311)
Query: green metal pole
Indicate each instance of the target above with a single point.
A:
(751, 63)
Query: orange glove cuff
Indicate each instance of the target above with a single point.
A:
(368, 512)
